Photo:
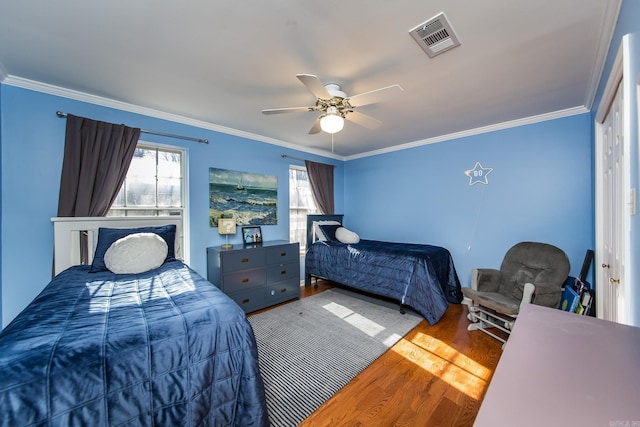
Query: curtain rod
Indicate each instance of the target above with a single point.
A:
(291, 157)
(298, 158)
(152, 132)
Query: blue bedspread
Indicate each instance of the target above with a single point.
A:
(162, 348)
(420, 276)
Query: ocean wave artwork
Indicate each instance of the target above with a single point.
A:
(249, 198)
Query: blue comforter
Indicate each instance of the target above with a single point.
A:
(420, 276)
(162, 348)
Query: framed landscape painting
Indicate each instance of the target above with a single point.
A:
(250, 198)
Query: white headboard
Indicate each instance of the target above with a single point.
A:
(66, 234)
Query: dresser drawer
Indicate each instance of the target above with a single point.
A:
(243, 259)
(283, 291)
(283, 254)
(250, 300)
(276, 273)
(244, 279)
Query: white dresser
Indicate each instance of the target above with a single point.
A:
(563, 369)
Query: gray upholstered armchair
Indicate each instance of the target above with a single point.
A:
(531, 272)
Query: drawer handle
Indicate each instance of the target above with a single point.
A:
(283, 272)
(246, 300)
(244, 260)
(245, 280)
(283, 290)
(283, 254)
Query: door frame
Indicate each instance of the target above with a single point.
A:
(601, 278)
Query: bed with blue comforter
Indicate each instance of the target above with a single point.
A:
(422, 277)
(160, 348)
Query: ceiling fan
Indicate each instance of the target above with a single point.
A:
(336, 106)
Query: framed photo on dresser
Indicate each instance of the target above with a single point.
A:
(251, 235)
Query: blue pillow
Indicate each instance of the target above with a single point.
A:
(329, 231)
(107, 236)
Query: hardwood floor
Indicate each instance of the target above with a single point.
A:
(435, 376)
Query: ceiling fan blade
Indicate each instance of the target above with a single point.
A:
(363, 120)
(314, 84)
(316, 127)
(287, 110)
(374, 96)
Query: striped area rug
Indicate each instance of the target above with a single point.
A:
(311, 348)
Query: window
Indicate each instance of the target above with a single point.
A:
(301, 203)
(154, 184)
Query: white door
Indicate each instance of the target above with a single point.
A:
(612, 245)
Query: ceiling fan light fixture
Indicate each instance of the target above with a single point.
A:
(332, 122)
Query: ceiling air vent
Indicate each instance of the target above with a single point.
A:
(435, 36)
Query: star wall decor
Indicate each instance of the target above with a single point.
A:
(478, 174)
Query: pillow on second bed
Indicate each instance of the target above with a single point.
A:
(329, 231)
(136, 253)
(347, 236)
(317, 230)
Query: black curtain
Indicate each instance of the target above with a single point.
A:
(321, 180)
(97, 156)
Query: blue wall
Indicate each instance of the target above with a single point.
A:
(0, 199)
(540, 189)
(32, 149)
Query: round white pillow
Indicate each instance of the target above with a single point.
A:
(136, 253)
(346, 236)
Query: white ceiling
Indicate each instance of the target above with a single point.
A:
(222, 62)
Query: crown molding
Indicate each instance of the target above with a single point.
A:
(150, 112)
(477, 131)
(106, 102)
(3, 73)
(608, 26)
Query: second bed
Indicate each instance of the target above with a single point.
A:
(422, 277)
